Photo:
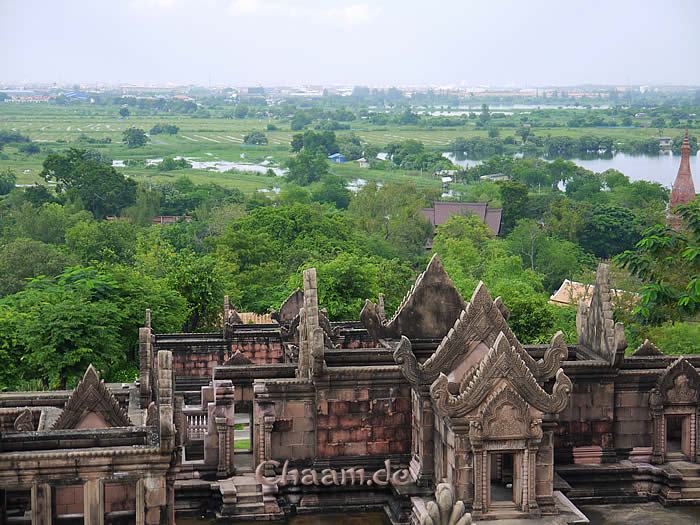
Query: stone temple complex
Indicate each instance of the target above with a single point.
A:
(435, 416)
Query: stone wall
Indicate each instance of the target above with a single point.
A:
(260, 348)
(364, 420)
(586, 426)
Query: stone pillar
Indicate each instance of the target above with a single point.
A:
(544, 472)
(311, 340)
(154, 499)
(93, 502)
(165, 400)
(422, 464)
(145, 361)
(218, 442)
(41, 504)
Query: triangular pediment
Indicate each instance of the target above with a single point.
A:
(502, 364)
(475, 331)
(289, 309)
(91, 405)
(647, 349)
(427, 311)
(679, 383)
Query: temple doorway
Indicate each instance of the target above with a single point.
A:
(502, 478)
(677, 436)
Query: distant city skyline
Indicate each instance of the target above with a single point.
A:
(499, 43)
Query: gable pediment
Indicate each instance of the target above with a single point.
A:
(502, 365)
(91, 405)
(679, 383)
(464, 347)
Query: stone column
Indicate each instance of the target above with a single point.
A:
(218, 443)
(41, 504)
(145, 361)
(154, 500)
(165, 400)
(93, 503)
(422, 464)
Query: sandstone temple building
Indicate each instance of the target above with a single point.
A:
(437, 415)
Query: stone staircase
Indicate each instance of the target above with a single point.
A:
(244, 499)
(503, 510)
(690, 485)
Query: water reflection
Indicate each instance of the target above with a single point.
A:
(658, 168)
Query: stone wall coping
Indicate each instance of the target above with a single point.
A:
(248, 373)
(85, 453)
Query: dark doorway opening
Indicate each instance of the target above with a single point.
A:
(502, 477)
(674, 434)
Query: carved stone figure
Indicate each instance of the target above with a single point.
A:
(445, 510)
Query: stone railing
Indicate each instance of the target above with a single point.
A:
(196, 422)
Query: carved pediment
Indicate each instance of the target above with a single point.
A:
(679, 383)
(503, 362)
(24, 422)
(428, 310)
(480, 323)
(647, 349)
(91, 403)
(289, 309)
(597, 331)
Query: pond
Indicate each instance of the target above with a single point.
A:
(659, 168)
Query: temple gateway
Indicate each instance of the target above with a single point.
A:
(300, 415)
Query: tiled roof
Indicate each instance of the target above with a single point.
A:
(442, 211)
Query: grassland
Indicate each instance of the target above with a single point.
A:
(210, 139)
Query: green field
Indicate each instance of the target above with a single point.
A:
(218, 139)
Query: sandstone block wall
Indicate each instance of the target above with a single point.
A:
(199, 363)
(68, 499)
(586, 427)
(293, 429)
(260, 350)
(119, 497)
(359, 421)
(633, 424)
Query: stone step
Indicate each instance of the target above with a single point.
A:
(691, 481)
(690, 493)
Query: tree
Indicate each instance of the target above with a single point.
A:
(608, 230)
(7, 181)
(134, 137)
(124, 112)
(100, 188)
(515, 202)
(110, 242)
(307, 167)
(332, 189)
(241, 111)
(256, 138)
(82, 316)
(668, 263)
(22, 259)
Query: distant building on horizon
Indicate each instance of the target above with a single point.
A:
(442, 211)
(683, 189)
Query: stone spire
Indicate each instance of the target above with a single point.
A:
(683, 190)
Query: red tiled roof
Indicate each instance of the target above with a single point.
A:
(442, 211)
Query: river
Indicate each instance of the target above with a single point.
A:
(660, 168)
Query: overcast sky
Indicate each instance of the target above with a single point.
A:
(371, 42)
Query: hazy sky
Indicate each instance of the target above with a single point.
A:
(375, 42)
